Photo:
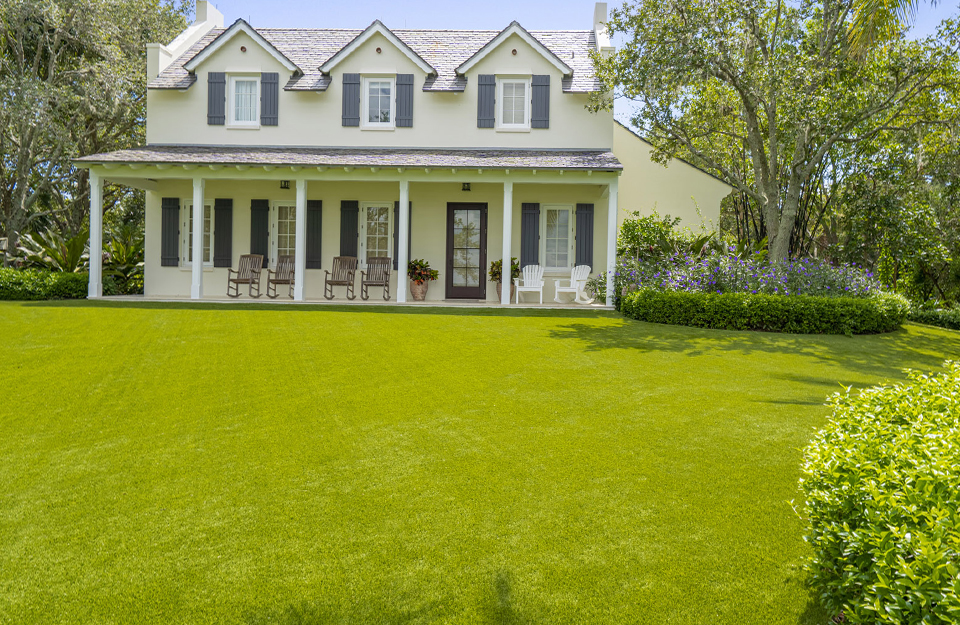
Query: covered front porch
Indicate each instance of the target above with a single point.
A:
(460, 211)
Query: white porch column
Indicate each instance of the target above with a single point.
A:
(403, 254)
(506, 278)
(611, 237)
(196, 287)
(300, 242)
(95, 286)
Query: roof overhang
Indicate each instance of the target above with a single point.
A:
(377, 27)
(515, 29)
(240, 26)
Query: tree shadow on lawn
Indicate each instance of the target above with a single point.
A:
(874, 355)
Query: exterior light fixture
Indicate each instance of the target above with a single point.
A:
(243, 48)
(465, 187)
(284, 184)
(514, 52)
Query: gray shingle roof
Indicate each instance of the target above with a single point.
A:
(361, 157)
(443, 49)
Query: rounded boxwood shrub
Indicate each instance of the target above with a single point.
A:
(882, 501)
(798, 314)
(33, 284)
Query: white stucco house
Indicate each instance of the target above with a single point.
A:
(321, 142)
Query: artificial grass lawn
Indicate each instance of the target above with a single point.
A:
(258, 464)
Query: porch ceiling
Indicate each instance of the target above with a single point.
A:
(570, 160)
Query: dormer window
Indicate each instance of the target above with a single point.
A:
(514, 98)
(379, 103)
(244, 106)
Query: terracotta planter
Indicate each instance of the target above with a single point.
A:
(419, 291)
(513, 291)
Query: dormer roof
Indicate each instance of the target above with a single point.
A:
(443, 50)
(377, 27)
(224, 36)
(515, 29)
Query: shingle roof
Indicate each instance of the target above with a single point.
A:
(443, 49)
(361, 157)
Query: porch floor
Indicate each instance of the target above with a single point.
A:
(342, 301)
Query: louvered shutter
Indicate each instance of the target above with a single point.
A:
(486, 100)
(260, 229)
(585, 234)
(541, 102)
(222, 232)
(170, 232)
(396, 228)
(351, 99)
(349, 227)
(216, 98)
(314, 232)
(529, 235)
(269, 98)
(404, 100)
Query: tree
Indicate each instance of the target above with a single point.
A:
(769, 79)
(72, 82)
(880, 20)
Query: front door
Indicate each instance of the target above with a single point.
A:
(466, 251)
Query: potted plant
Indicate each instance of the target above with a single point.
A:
(496, 274)
(420, 276)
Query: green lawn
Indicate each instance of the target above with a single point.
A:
(257, 464)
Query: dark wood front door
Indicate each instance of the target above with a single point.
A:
(466, 251)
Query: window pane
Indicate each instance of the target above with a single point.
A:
(557, 238)
(245, 100)
(286, 230)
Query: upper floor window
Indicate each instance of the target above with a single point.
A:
(244, 108)
(378, 103)
(514, 99)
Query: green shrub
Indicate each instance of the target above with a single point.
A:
(883, 507)
(30, 284)
(949, 319)
(798, 314)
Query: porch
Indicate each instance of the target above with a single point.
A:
(460, 211)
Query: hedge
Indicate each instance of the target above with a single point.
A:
(882, 503)
(949, 319)
(797, 314)
(32, 284)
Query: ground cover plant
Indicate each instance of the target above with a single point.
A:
(166, 463)
(880, 488)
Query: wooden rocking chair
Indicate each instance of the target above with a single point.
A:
(247, 273)
(344, 272)
(377, 274)
(283, 275)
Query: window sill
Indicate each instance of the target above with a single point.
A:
(378, 128)
(206, 268)
(517, 129)
(243, 126)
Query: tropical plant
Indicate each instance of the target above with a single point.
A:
(875, 21)
(419, 271)
(124, 258)
(52, 251)
(496, 269)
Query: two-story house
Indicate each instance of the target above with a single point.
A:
(456, 146)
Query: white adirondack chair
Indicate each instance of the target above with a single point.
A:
(532, 281)
(576, 285)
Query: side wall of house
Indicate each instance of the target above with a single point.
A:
(677, 189)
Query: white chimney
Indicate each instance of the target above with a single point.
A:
(600, 28)
(159, 56)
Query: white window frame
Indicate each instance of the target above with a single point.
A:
(362, 251)
(231, 101)
(571, 237)
(275, 229)
(527, 82)
(186, 241)
(365, 103)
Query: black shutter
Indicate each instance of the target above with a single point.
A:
(486, 100)
(260, 229)
(541, 102)
(170, 232)
(585, 234)
(270, 98)
(404, 100)
(530, 235)
(396, 228)
(351, 99)
(216, 98)
(314, 231)
(222, 232)
(349, 227)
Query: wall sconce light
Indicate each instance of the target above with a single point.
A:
(284, 184)
(243, 48)
(465, 187)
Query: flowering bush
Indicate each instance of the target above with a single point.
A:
(419, 271)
